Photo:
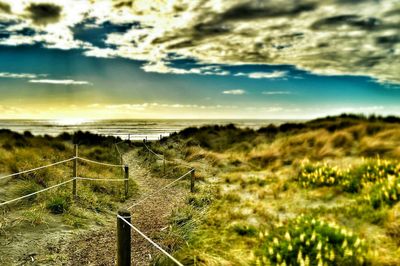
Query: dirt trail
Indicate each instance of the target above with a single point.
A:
(151, 217)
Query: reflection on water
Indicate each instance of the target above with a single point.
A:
(135, 129)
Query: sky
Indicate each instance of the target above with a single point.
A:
(198, 59)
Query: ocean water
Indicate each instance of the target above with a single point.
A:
(132, 129)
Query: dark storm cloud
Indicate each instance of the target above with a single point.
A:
(4, 7)
(263, 9)
(370, 23)
(44, 13)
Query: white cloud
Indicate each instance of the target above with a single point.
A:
(163, 67)
(19, 75)
(276, 92)
(264, 75)
(234, 92)
(60, 81)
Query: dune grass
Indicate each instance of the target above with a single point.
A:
(324, 192)
(20, 152)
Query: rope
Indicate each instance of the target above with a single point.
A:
(163, 158)
(38, 168)
(150, 241)
(120, 142)
(96, 162)
(119, 153)
(37, 192)
(159, 190)
(100, 179)
(150, 150)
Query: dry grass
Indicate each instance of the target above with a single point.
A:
(256, 189)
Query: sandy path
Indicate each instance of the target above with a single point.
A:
(151, 217)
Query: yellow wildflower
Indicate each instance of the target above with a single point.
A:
(287, 236)
(332, 255)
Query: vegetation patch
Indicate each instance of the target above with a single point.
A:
(310, 241)
(352, 179)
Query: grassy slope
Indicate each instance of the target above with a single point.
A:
(55, 209)
(251, 191)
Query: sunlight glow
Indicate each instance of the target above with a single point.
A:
(71, 121)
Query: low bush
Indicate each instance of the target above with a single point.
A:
(309, 241)
(351, 179)
(59, 204)
(385, 192)
(244, 230)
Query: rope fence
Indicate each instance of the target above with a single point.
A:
(73, 179)
(125, 248)
(101, 179)
(100, 163)
(37, 192)
(37, 168)
(119, 152)
(149, 240)
(161, 157)
(159, 190)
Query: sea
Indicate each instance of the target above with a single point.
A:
(126, 129)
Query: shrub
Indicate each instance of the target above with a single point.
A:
(309, 241)
(59, 204)
(321, 175)
(28, 134)
(199, 201)
(58, 146)
(8, 146)
(378, 170)
(386, 192)
(342, 139)
(244, 230)
(352, 179)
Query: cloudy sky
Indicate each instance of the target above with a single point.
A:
(198, 59)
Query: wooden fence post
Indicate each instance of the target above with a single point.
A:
(75, 171)
(123, 239)
(126, 180)
(192, 177)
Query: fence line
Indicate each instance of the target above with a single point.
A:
(38, 168)
(159, 190)
(119, 152)
(150, 241)
(153, 152)
(75, 178)
(100, 163)
(162, 157)
(120, 142)
(37, 192)
(100, 179)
